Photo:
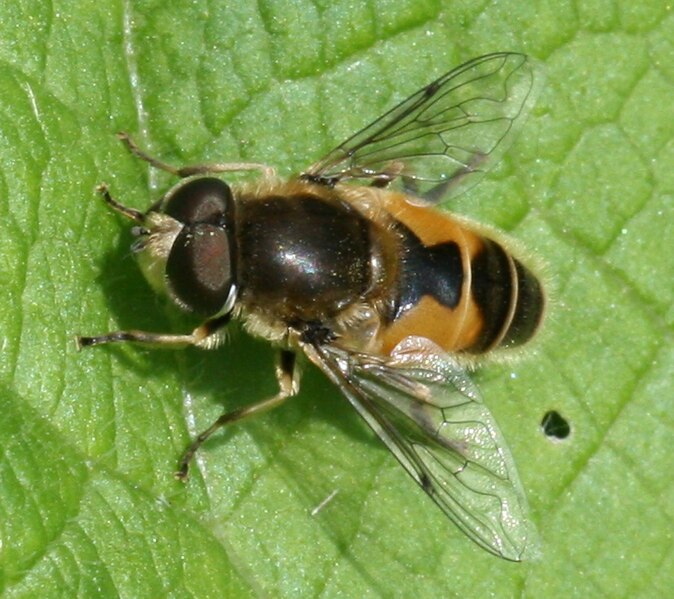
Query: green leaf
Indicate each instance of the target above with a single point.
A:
(88, 503)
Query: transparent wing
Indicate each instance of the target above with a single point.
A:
(424, 408)
(441, 139)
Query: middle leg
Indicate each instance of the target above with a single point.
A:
(193, 169)
(287, 375)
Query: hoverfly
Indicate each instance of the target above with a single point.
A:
(349, 265)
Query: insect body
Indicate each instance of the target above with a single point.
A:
(387, 296)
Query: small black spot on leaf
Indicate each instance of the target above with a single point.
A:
(554, 425)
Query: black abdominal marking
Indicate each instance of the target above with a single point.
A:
(435, 271)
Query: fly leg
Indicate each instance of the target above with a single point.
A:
(194, 169)
(208, 335)
(287, 375)
(450, 186)
(130, 213)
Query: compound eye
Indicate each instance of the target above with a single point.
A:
(202, 200)
(199, 269)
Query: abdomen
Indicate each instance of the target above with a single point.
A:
(457, 287)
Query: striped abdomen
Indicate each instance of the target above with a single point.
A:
(456, 287)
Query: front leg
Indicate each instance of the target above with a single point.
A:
(287, 375)
(206, 336)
